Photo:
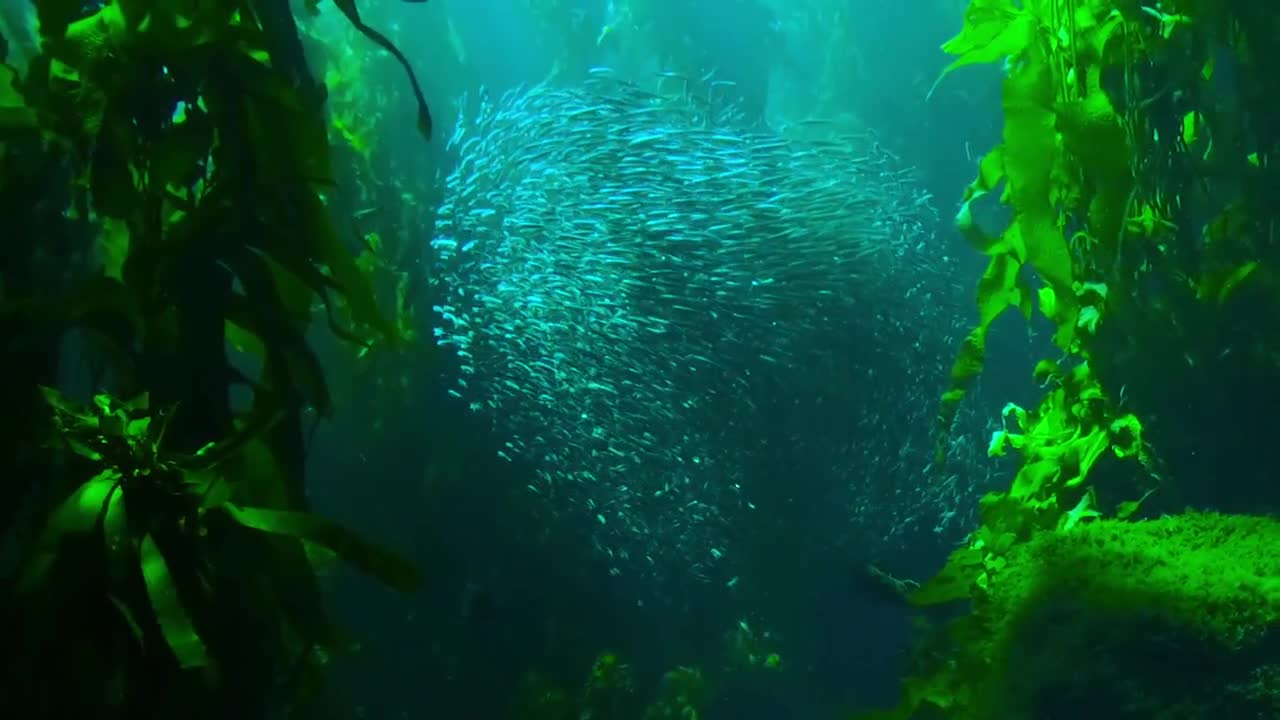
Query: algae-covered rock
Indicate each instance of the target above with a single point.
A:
(1176, 618)
(1169, 619)
(1173, 618)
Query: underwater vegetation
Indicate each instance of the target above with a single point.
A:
(166, 182)
(1171, 618)
(1137, 166)
(612, 690)
(619, 264)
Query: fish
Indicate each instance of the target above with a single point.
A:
(623, 271)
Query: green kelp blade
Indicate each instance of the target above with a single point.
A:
(77, 515)
(993, 30)
(127, 615)
(117, 540)
(70, 408)
(178, 630)
(14, 113)
(365, 556)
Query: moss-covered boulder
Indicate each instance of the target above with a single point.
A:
(1176, 619)
(1172, 618)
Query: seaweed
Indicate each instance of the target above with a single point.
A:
(167, 186)
(1134, 181)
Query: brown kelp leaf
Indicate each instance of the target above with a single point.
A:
(348, 8)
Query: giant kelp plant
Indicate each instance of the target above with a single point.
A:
(166, 188)
(1137, 165)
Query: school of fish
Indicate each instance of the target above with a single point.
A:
(631, 276)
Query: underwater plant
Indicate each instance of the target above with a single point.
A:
(166, 184)
(1138, 230)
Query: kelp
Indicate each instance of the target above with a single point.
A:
(143, 499)
(348, 8)
(390, 206)
(1105, 203)
(166, 566)
(1061, 172)
(1048, 119)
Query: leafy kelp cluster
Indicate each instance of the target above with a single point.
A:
(621, 267)
(166, 180)
(1138, 167)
